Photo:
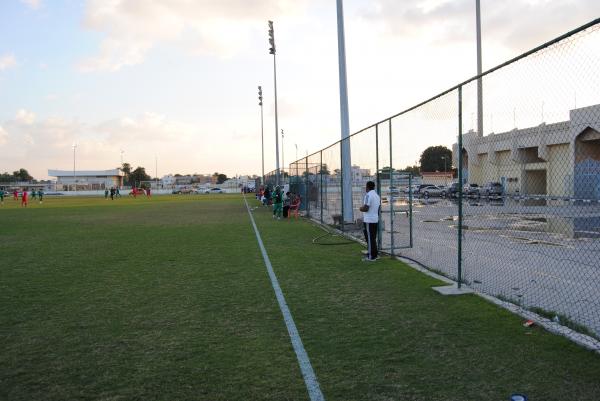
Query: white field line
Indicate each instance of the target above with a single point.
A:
(310, 379)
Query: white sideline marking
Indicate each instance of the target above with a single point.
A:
(310, 379)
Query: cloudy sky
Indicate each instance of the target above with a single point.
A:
(177, 79)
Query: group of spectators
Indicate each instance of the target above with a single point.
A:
(281, 202)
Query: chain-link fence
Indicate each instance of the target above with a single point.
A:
(515, 210)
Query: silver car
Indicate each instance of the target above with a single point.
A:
(432, 190)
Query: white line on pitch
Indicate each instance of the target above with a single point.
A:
(310, 379)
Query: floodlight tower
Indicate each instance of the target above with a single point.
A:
(273, 52)
(345, 120)
(262, 136)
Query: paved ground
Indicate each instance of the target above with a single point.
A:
(542, 254)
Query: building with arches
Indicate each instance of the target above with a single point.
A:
(559, 159)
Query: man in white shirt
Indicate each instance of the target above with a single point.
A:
(370, 209)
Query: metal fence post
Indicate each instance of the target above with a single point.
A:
(391, 200)
(321, 184)
(378, 179)
(460, 192)
(410, 211)
(341, 185)
(307, 190)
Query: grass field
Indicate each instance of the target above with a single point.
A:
(169, 299)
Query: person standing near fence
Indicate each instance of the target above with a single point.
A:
(41, 195)
(1, 197)
(370, 209)
(278, 203)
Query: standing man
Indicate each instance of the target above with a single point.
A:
(370, 209)
(41, 195)
(1, 197)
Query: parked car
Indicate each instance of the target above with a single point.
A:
(471, 190)
(417, 188)
(492, 189)
(432, 190)
(394, 190)
(453, 189)
(184, 190)
(214, 191)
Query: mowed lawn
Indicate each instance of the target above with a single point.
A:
(168, 299)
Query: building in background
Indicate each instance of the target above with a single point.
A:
(437, 178)
(558, 159)
(88, 180)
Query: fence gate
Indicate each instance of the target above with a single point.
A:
(396, 228)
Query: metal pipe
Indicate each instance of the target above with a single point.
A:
(460, 192)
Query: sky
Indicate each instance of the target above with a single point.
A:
(171, 85)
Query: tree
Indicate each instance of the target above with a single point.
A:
(220, 178)
(384, 174)
(6, 177)
(22, 175)
(126, 169)
(436, 158)
(324, 169)
(138, 175)
(414, 170)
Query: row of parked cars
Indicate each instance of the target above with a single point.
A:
(491, 189)
(190, 190)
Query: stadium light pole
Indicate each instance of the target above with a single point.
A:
(345, 120)
(273, 52)
(262, 134)
(479, 70)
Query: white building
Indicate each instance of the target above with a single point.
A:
(87, 180)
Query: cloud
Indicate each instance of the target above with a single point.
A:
(134, 27)
(25, 117)
(3, 136)
(33, 4)
(148, 127)
(38, 144)
(504, 23)
(7, 61)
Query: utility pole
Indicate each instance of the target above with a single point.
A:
(345, 119)
(273, 52)
(262, 136)
(282, 156)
